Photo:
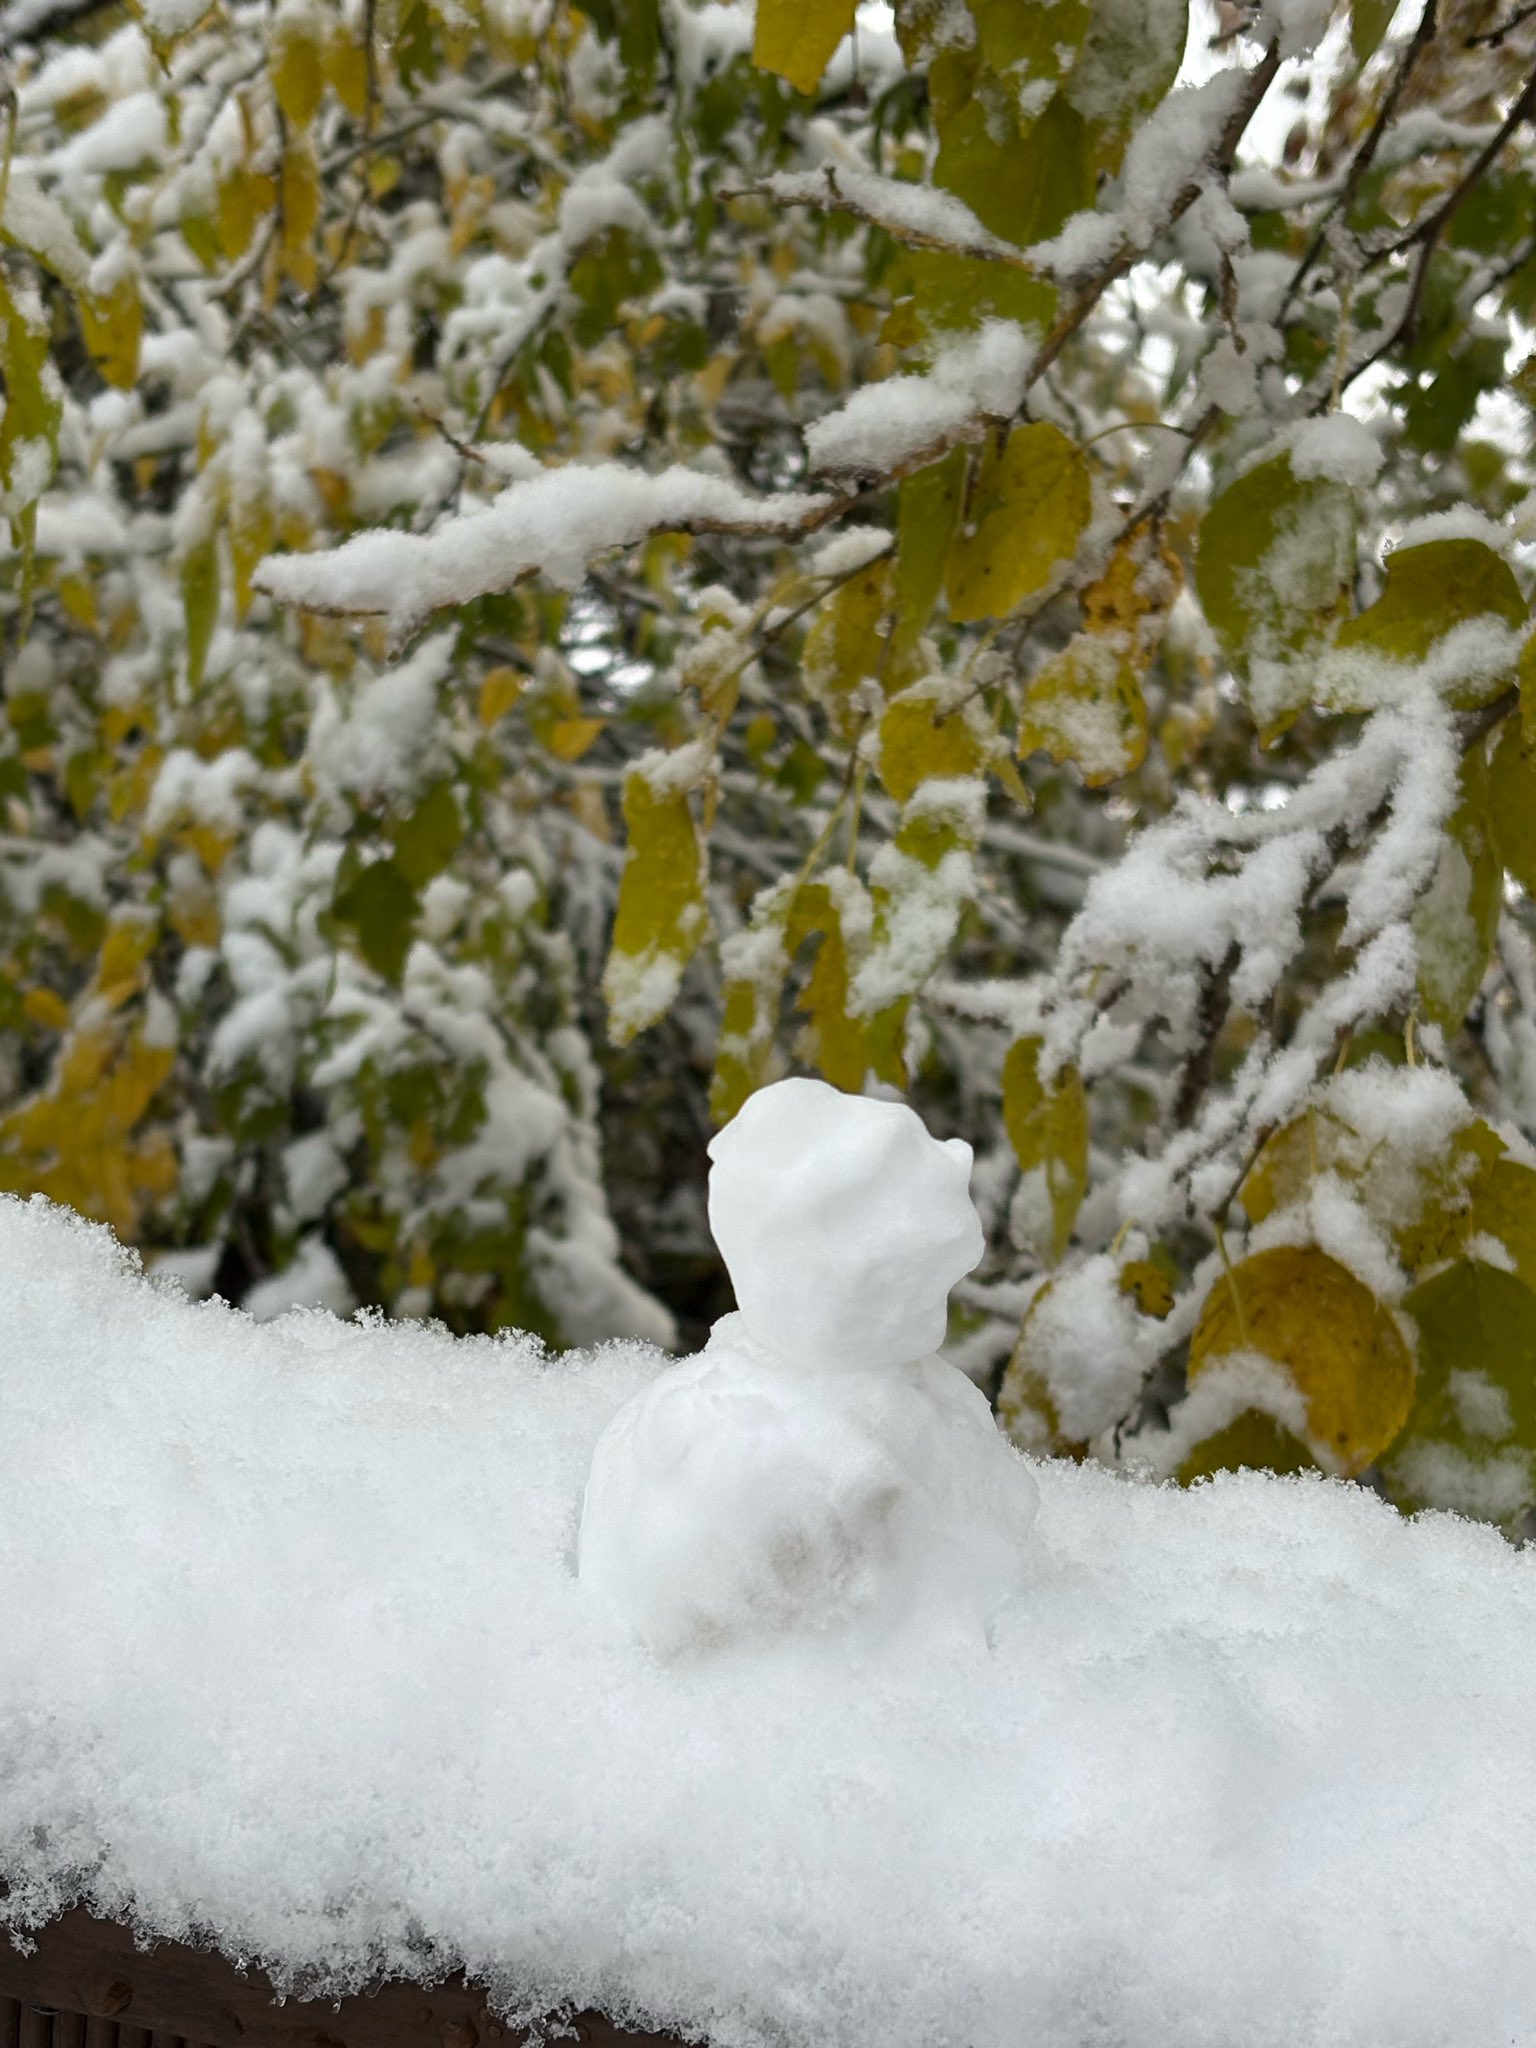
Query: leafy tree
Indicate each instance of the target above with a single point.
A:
(564, 561)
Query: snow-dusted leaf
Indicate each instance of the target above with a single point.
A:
(1085, 705)
(1276, 558)
(1457, 919)
(1469, 1440)
(1255, 1441)
(1341, 1347)
(200, 582)
(1431, 590)
(1512, 802)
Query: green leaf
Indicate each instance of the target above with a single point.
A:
(661, 914)
(1512, 802)
(929, 508)
(379, 905)
(1327, 1332)
(1253, 1442)
(428, 839)
(1276, 557)
(836, 1040)
(1430, 590)
(797, 38)
(200, 601)
(1369, 21)
(1047, 1126)
(1027, 514)
(29, 424)
(1456, 920)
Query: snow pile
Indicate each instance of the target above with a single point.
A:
(817, 1465)
(292, 1653)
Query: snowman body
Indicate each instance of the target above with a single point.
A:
(816, 1466)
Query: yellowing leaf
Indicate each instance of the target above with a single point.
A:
(1339, 1345)
(1430, 590)
(1048, 1129)
(797, 38)
(1027, 514)
(661, 915)
(1276, 558)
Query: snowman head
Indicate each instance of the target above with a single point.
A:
(843, 1225)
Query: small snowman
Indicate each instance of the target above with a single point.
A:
(816, 1465)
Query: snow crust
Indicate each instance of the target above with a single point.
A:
(292, 1655)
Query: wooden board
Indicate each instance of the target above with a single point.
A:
(86, 1985)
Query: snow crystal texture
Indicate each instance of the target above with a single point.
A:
(292, 1653)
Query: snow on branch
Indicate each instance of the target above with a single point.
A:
(553, 524)
(903, 422)
(924, 216)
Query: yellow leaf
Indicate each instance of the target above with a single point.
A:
(850, 643)
(1150, 1285)
(797, 38)
(1028, 512)
(120, 965)
(300, 189)
(113, 324)
(242, 198)
(1327, 1332)
(500, 689)
(346, 71)
(569, 738)
(1047, 1126)
(920, 742)
(44, 1006)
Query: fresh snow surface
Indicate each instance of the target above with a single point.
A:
(292, 1656)
(817, 1466)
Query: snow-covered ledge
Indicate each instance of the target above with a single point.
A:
(295, 1659)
